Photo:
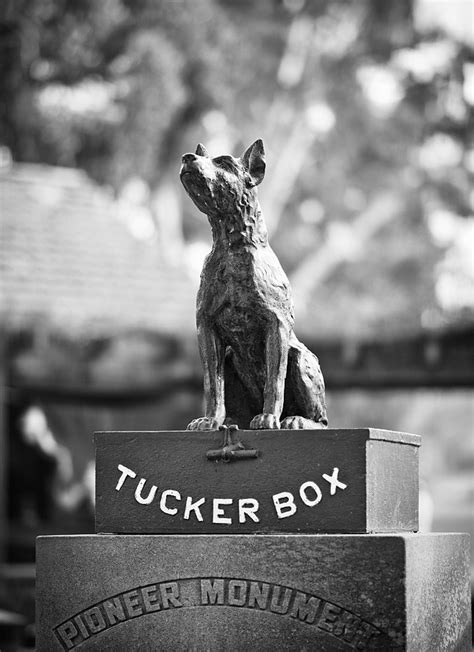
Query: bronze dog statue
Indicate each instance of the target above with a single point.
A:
(256, 372)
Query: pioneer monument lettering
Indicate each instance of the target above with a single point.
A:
(217, 592)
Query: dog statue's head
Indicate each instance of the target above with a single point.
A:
(219, 185)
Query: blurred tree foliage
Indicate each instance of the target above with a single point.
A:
(364, 111)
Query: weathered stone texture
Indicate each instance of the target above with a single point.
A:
(241, 592)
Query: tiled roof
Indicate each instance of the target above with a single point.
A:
(67, 260)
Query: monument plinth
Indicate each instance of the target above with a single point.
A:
(283, 535)
(245, 592)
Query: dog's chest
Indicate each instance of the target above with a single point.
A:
(230, 295)
(241, 291)
(229, 279)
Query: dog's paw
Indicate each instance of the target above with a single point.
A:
(204, 423)
(300, 423)
(265, 422)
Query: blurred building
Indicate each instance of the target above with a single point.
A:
(74, 262)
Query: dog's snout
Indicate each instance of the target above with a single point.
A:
(188, 158)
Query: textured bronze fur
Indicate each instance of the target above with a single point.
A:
(256, 372)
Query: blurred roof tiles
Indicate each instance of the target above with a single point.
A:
(67, 261)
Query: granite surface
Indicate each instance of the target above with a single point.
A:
(243, 592)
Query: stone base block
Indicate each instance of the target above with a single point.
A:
(243, 592)
(309, 481)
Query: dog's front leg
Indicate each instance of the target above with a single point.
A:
(276, 361)
(212, 351)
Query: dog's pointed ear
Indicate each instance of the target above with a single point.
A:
(254, 161)
(202, 151)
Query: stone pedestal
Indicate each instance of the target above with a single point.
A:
(244, 592)
(252, 553)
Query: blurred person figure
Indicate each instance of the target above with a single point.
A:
(39, 471)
